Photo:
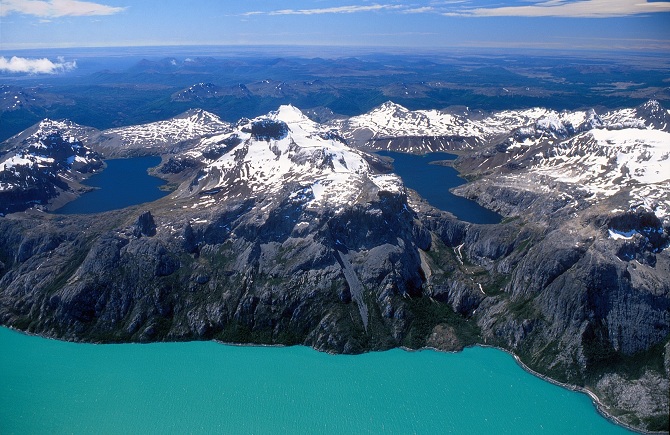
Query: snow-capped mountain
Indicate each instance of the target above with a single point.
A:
(466, 130)
(392, 121)
(623, 150)
(588, 167)
(393, 127)
(626, 150)
(607, 162)
(648, 115)
(286, 150)
(161, 136)
(50, 157)
(604, 160)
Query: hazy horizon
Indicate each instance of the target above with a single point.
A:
(557, 24)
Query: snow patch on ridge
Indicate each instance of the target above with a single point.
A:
(621, 235)
(191, 125)
(603, 162)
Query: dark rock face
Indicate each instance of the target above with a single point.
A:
(145, 225)
(268, 129)
(233, 278)
(222, 147)
(178, 165)
(654, 115)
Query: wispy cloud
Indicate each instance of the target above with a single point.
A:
(56, 8)
(531, 8)
(335, 10)
(35, 66)
(419, 10)
(570, 9)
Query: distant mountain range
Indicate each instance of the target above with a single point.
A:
(285, 230)
(108, 92)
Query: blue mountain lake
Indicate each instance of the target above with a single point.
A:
(49, 386)
(123, 183)
(433, 182)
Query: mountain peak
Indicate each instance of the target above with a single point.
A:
(654, 115)
(53, 123)
(652, 106)
(289, 114)
(391, 107)
(285, 152)
(200, 116)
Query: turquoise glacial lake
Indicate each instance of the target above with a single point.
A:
(433, 182)
(54, 387)
(123, 183)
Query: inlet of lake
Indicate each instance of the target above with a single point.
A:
(49, 386)
(433, 182)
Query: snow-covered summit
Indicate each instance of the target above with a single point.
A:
(47, 142)
(286, 150)
(44, 161)
(607, 159)
(191, 125)
(648, 115)
(391, 120)
(394, 120)
(291, 114)
(600, 164)
(69, 130)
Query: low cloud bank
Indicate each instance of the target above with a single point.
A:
(35, 66)
(56, 8)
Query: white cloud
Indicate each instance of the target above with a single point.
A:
(571, 9)
(419, 10)
(335, 10)
(56, 8)
(35, 66)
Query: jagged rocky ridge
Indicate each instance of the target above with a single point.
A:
(281, 232)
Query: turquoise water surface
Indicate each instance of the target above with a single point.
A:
(49, 386)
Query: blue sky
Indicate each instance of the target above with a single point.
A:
(562, 24)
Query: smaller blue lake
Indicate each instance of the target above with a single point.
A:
(433, 182)
(123, 183)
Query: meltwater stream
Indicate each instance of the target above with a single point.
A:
(49, 386)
